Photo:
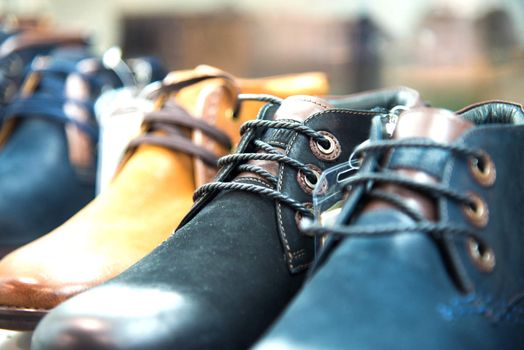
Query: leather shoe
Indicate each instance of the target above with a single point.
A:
(427, 251)
(47, 145)
(238, 257)
(195, 123)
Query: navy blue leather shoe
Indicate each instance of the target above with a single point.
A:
(427, 251)
(238, 258)
(48, 145)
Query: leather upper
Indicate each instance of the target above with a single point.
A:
(47, 153)
(419, 290)
(225, 272)
(299, 254)
(147, 199)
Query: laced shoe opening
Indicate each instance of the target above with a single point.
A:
(497, 112)
(386, 98)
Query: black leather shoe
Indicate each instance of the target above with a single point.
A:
(427, 252)
(48, 145)
(238, 257)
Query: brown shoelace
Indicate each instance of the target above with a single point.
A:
(166, 128)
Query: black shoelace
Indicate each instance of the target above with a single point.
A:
(421, 224)
(265, 152)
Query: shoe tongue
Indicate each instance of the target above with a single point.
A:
(300, 107)
(438, 125)
(297, 108)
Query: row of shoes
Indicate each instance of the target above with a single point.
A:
(367, 221)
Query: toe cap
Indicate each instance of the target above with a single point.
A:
(114, 317)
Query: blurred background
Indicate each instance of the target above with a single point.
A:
(454, 52)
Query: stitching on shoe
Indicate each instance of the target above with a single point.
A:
(302, 266)
(289, 251)
(278, 143)
(305, 99)
(339, 111)
(20, 307)
(299, 254)
(481, 305)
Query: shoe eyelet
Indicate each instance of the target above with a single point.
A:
(482, 257)
(307, 184)
(483, 169)
(326, 153)
(477, 211)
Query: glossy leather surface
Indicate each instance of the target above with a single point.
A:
(146, 201)
(224, 274)
(402, 291)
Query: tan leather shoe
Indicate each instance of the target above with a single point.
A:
(193, 126)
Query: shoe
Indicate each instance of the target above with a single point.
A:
(237, 258)
(147, 199)
(18, 48)
(47, 145)
(425, 253)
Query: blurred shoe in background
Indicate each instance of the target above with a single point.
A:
(19, 45)
(238, 257)
(427, 251)
(48, 145)
(120, 113)
(196, 120)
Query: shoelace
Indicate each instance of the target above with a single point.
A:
(421, 225)
(49, 100)
(164, 129)
(268, 153)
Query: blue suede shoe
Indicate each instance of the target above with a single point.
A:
(427, 251)
(48, 145)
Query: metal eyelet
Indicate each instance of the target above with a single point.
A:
(483, 169)
(307, 184)
(327, 153)
(331, 146)
(477, 211)
(483, 257)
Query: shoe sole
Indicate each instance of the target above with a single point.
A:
(19, 319)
